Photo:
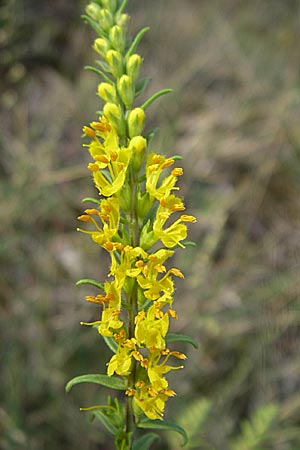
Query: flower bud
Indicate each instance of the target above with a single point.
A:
(133, 67)
(114, 115)
(101, 46)
(107, 92)
(126, 90)
(117, 38)
(136, 121)
(110, 5)
(93, 11)
(138, 146)
(105, 19)
(115, 63)
(123, 20)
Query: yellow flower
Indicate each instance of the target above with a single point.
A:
(120, 363)
(155, 165)
(109, 322)
(150, 330)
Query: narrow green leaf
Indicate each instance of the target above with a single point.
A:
(165, 425)
(111, 343)
(104, 66)
(122, 7)
(189, 244)
(105, 421)
(141, 85)
(104, 380)
(149, 136)
(91, 282)
(177, 157)
(93, 24)
(98, 72)
(136, 42)
(174, 337)
(154, 97)
(91, 200)
(144, 442)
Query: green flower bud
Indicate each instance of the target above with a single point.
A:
(93, 10)
(126, 90)
(133, 67)
(115, 63)
(114, 115)
(101, 46)
(136, 119)
(110, 4)
(117, 38)
(107, 92)
(123, 20)
(126, 198)
(105, 19)
(147, 238)
(138, 146)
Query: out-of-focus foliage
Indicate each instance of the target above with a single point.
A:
(234, 117)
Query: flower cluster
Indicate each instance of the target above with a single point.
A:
(138, 220)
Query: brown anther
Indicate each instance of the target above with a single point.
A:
(176, 272)
(93, 167)
(145, 363)
(165, 351)
(101, 158)
(106, 207)
(140, 384)
(99, 126)
(89, 132)
(153, 258)
(186, 218)
(179, 355)
(130, 392)
(159, 314)
(92, 211)
(160, 268)
(84, 218)
(156, 159)
(163, 203)
(109, 246)
(152, 392)
(168, 162)
(172, 313)
(169, 392)
(137, 356)
(177, 207)
(104, 217)
(139, 264)
(177, 172)
(113, 156)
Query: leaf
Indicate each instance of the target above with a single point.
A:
(174, 337)
(104, 380)
(91, 282)
(111, 343)
(105, 421)
(91, 200)
(136, 41)
(144, 442)
(93, 24)
(98, 72)
(165, 425)
(149, 136)
(154, 97)
(141, 85)
(189, 244)
(176, 157)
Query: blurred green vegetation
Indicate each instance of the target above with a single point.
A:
(234, 66)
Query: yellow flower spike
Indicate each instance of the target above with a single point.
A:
(134, 214)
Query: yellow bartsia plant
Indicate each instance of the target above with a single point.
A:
(133, 221)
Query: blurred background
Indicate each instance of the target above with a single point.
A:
(234, 67)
